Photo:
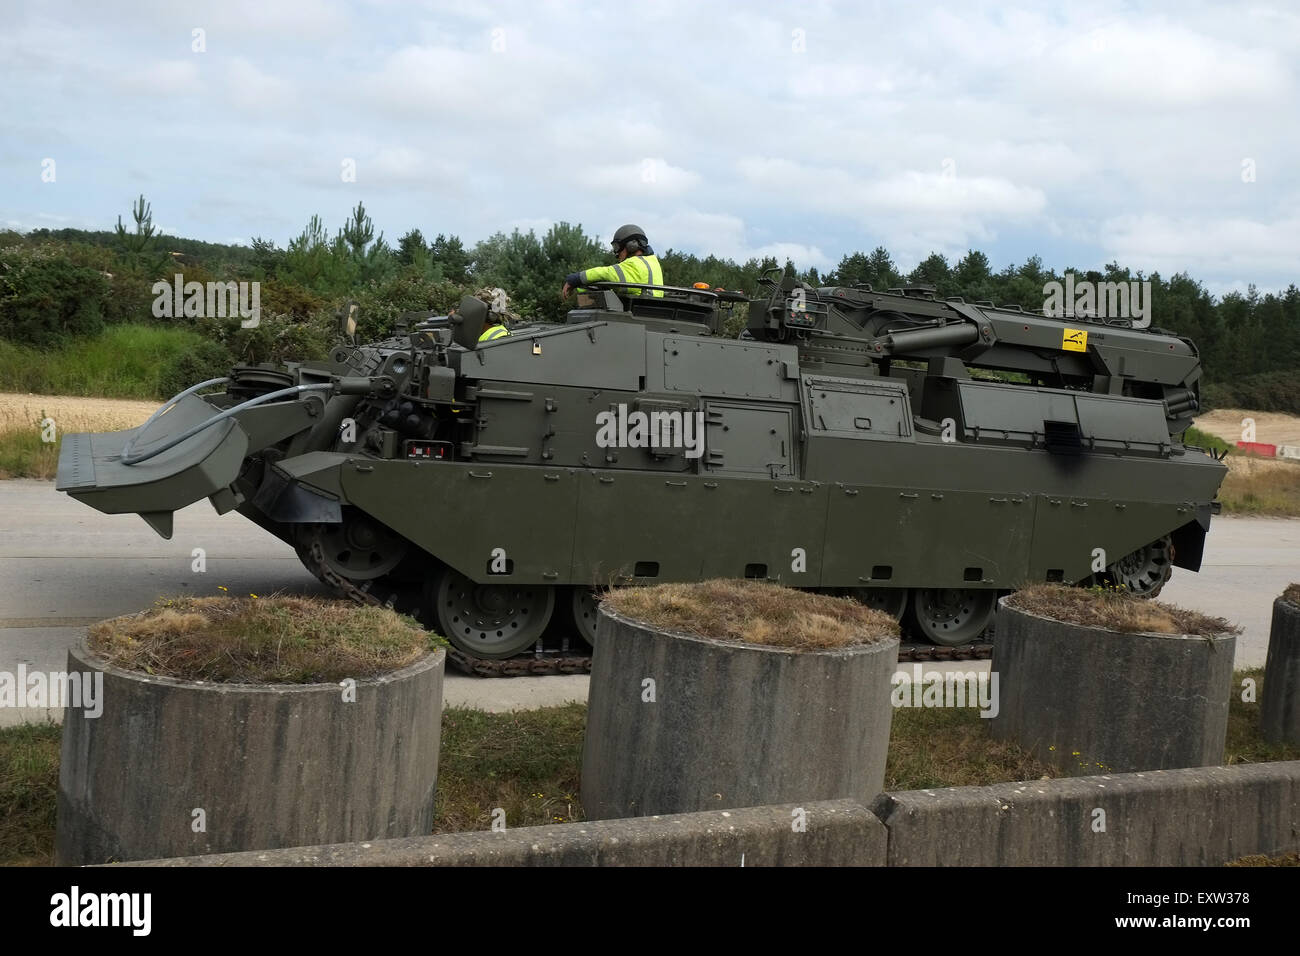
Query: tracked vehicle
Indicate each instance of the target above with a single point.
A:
(924, 455)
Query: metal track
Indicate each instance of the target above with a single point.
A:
(933, 652)
(539, 661)
(558, 662)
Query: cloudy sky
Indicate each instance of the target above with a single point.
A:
(1164, 136)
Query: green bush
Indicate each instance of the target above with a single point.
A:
(380, 303)
(130, 299)
(45, 298)
(1214, 395)
(277, 338)
(205, 360)
(285, 298)
(1277, 391)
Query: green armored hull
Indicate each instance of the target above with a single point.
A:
(845, 441)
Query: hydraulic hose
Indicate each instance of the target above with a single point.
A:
(132, 459)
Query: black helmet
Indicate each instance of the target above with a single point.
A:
(626, 234)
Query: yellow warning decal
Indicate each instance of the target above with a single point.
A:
(1074, 340)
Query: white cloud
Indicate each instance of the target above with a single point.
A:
(917, 212)
(161, 78)
(1083, 133)
(405, 166)
(650, 176)
(725, 236)
(1224, 247)
(252, 88)
(1153, 62)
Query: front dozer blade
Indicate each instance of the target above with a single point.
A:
(91, 468)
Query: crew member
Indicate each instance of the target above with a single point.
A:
(636, 263)
(495, 327)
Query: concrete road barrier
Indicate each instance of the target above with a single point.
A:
(677, 723)
(1204, 816)
(1089, 700)
(175, 767)
(1279, 711)
(829, 833)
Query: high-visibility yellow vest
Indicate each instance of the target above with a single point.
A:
(493, 332)
(644, 270)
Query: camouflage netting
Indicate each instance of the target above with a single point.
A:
(499, 302)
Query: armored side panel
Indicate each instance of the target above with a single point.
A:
(927, 455)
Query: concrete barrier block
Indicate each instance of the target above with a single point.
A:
(267, 765)
(1203, 816)
(1088, 700)
(1279, 712)
(828, 833)
(730, 725)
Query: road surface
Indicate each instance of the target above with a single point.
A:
(64, 565)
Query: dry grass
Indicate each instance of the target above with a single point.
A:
(23, 453)
(1261, 486)
(1256, 485)
(1292, 594)
(73, 414)
(1116, 610)
(1289, 859)
(272, 640)
(754, 612)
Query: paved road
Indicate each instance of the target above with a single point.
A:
(63, 565)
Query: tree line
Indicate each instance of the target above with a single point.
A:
(56, 285)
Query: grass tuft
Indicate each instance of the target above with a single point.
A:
(29, 788)
(931, 747)
(1194, 436)
(1116, 610)
(23, 453)
(754, 612)
(271, 640)
(1244, 743)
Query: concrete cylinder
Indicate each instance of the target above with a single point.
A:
(1090, 701)
(1279, 712)
(678, 723)
(175, 768)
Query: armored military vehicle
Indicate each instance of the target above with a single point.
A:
(924, 455)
